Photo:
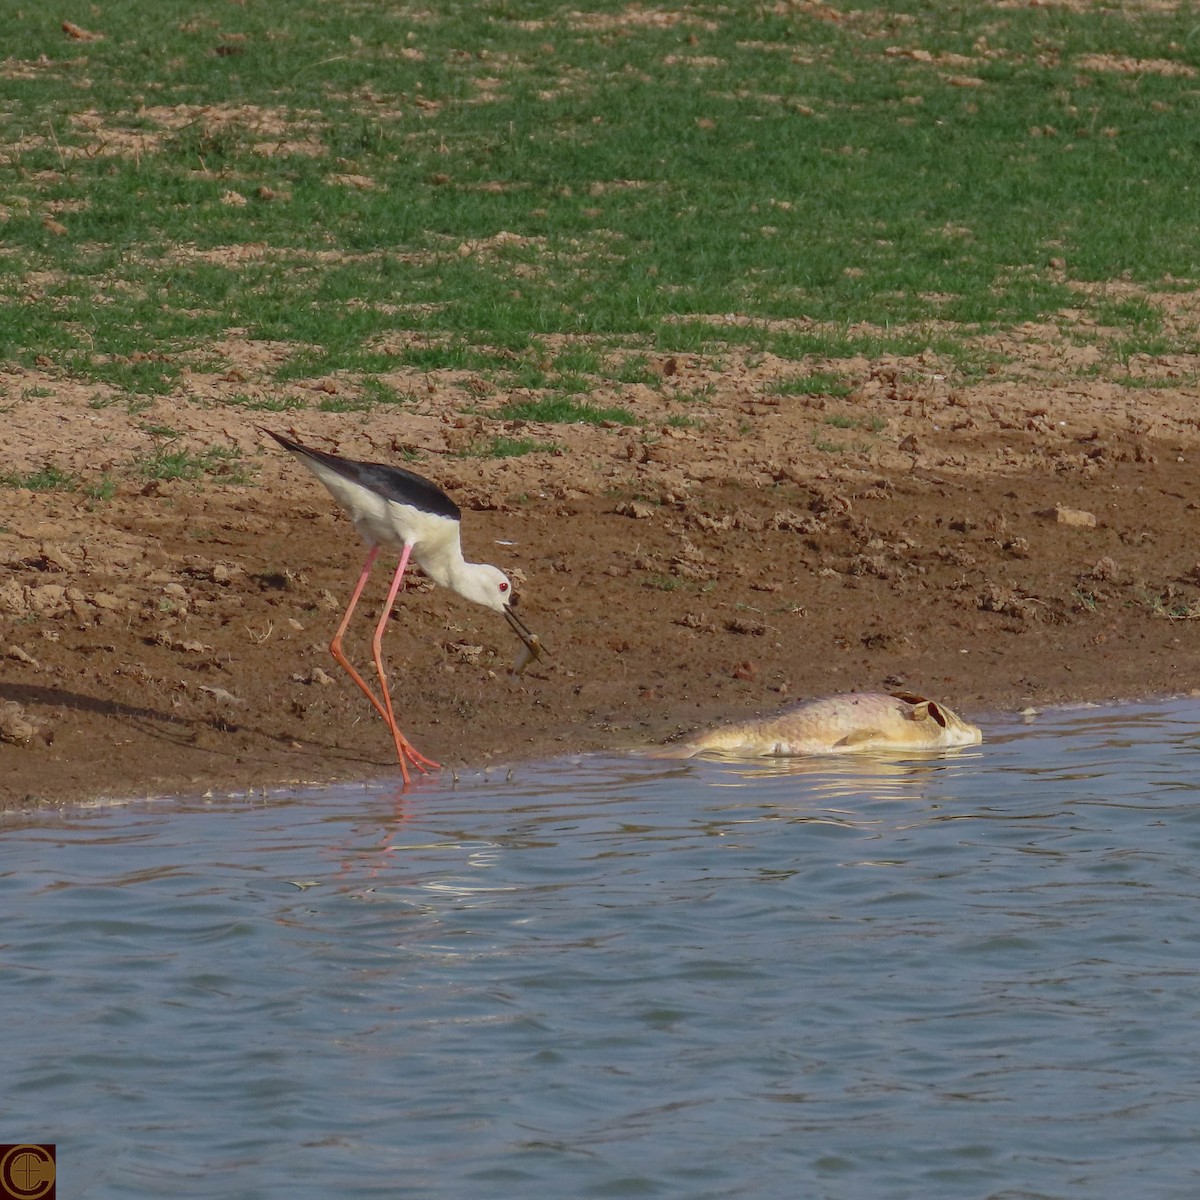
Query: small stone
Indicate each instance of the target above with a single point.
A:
(16, 725)
(636, 509)
(46, 596)
(465, 652)
(23, 656)
(1076, 518)
(54, 557)
(13, 597)
(746, 625)
(186, 646)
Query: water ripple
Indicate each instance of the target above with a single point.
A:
(972, 975)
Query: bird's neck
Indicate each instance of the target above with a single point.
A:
(448, 570)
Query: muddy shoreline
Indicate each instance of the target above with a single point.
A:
(994, 549)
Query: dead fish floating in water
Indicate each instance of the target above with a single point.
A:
(838, 725)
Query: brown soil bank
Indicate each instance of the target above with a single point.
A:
(173, 638)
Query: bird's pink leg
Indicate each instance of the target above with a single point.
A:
(335, 647)
(403, 745)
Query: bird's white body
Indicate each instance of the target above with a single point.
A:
(379, 521)
(838, 725)
(432, 537)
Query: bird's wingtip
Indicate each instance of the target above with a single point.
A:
(285, 442)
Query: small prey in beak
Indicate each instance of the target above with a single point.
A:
(533, 648)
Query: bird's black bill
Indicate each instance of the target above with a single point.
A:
(523, 631)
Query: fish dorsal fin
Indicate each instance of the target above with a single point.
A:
(861, 737)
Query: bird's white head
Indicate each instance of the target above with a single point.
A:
(489, 586)
(486, 585)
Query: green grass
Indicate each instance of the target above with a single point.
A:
(346, 404)
(634, 369)
(1135, 313)
(507, 447)
(219, 461)
(872, 423)
(1171, 605)
(664, 583)
(378, 392)
(821, 383)
(103, 488)
(263, 403)
(48, 479)
(611, 197)
(562, 410)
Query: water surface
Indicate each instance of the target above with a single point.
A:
(966, 976)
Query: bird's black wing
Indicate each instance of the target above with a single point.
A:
(393, 483)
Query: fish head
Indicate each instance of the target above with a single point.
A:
(951, 729)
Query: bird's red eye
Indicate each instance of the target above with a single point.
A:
(504, 587)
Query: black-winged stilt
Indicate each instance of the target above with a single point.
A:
(390, 506)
